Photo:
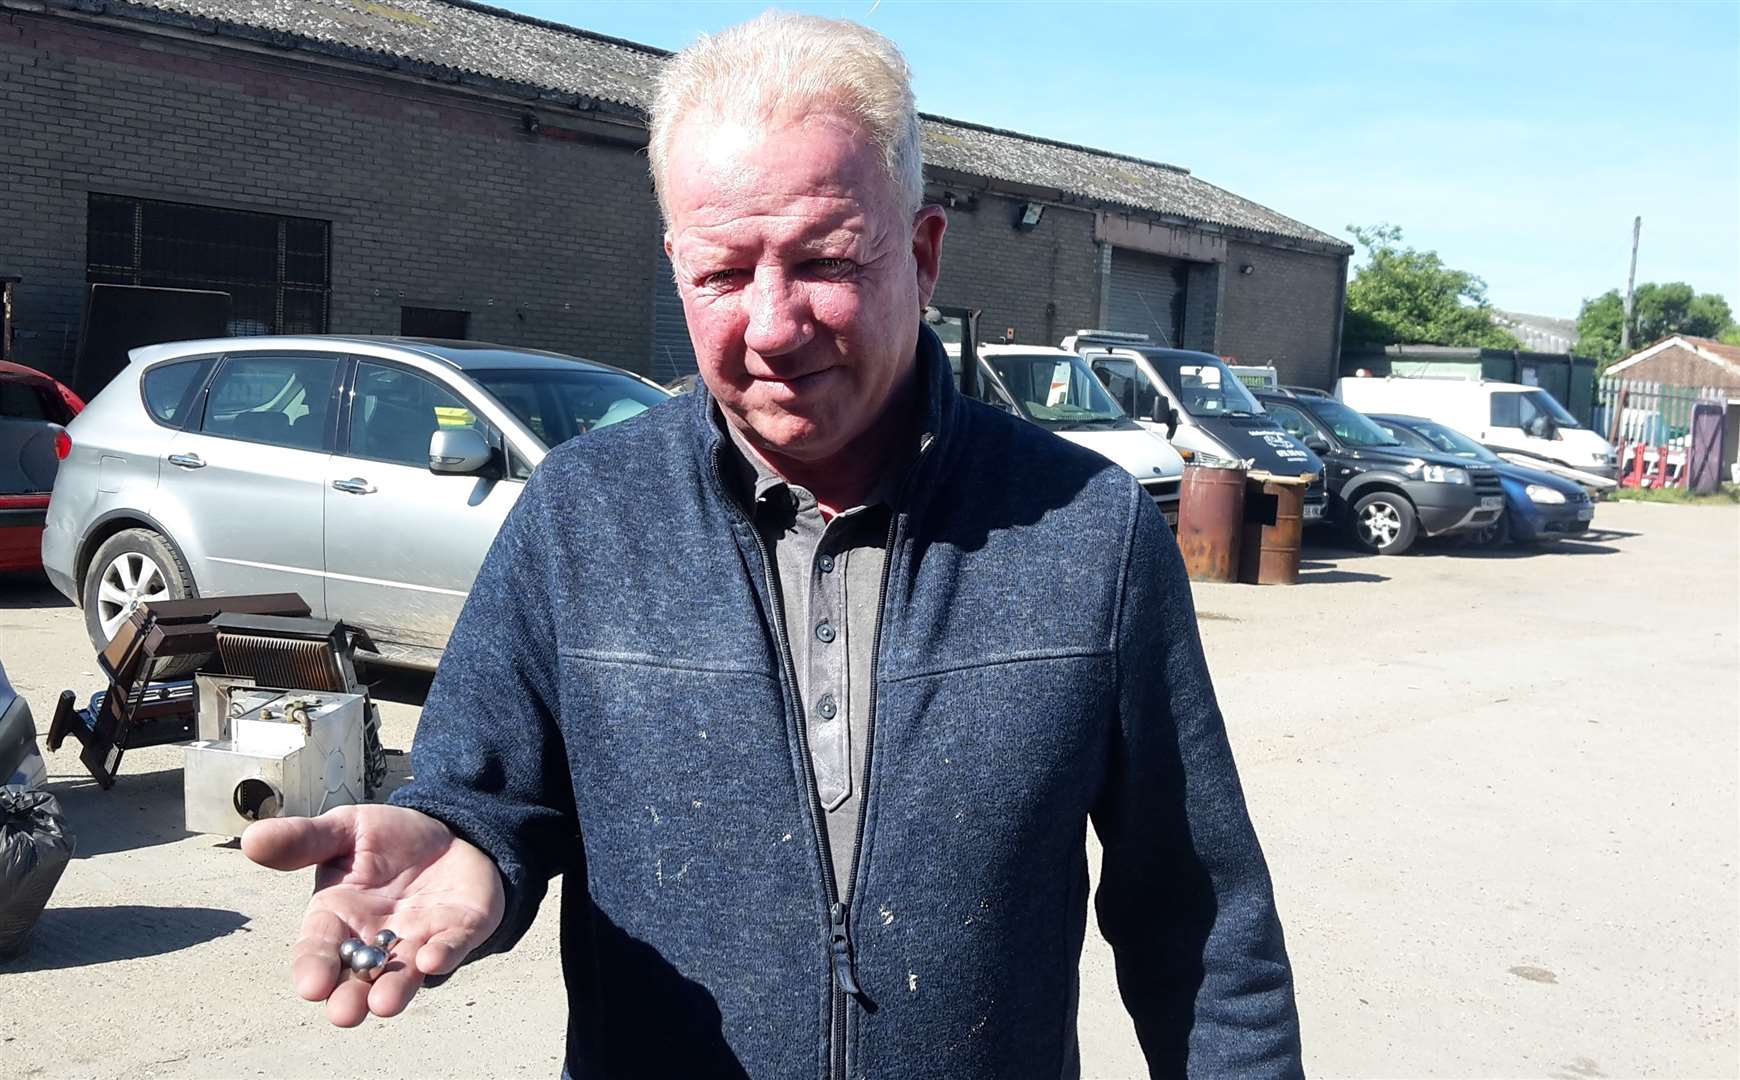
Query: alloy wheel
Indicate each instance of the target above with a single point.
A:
(130, 580)
(1379, 525)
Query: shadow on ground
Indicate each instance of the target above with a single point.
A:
(141, 810)
(1326, 574)
(1331, 545)
(29, 592)
(70, 937)
(1581, 545)
(1322, 561)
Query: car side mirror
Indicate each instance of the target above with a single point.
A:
(459, 452)
(1317, 444)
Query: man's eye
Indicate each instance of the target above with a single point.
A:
(720, 278)
(832, 268)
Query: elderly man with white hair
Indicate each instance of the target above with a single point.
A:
(810, 683)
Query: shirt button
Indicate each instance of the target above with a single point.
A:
(825, 633)
(825, 708)
(826, 562)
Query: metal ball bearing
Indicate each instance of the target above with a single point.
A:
(386, 939)
(368, 961)
(349, 948)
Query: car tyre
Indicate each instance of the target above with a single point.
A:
(1384, 523)
(132, 567)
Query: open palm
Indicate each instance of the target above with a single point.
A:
(380, 867)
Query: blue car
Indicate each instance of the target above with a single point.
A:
(1538, 505)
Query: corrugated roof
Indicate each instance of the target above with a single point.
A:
(456, 40)
(1104, 177)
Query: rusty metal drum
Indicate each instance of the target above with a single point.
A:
(1274, 525)
(1211, 508)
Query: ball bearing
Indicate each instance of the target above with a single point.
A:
(368, 961)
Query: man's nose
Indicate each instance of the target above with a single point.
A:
(779, 315)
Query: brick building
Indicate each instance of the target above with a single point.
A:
(1682, 360)
(440, 168)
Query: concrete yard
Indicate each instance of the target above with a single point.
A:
(1497, 792)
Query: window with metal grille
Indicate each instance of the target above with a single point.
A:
(275, 268)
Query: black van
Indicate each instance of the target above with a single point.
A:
(1197, 402)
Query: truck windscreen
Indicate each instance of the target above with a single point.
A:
(1205, 386)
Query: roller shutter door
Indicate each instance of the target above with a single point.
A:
(673, 353)
(1147, 296)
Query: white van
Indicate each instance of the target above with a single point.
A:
(1054, 389)
(1505, 416)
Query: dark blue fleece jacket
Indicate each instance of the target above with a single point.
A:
(614, 706)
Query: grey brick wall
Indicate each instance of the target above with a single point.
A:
(436, 199)
(1042, 282)
(1284, 312)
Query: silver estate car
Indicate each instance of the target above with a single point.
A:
(369, 475)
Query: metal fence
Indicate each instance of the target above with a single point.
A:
(1630, 411)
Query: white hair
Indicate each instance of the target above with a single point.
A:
(782, 65)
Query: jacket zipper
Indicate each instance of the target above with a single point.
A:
(844, 973)
(842, 941)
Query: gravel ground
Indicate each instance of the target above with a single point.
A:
(1497, 792)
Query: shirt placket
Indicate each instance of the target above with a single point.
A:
(830, 731)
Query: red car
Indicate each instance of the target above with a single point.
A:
(34, 412)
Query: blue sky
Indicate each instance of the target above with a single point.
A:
(1517, 140)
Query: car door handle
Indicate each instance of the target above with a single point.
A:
(187, 461)
(356, 485)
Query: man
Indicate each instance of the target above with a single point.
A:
(810, 683)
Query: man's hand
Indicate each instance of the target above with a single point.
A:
(380, 867)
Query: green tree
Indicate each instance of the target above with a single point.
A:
(1658, 311)
(1406, 297)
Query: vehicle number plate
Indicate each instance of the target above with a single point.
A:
(1492, 502)
(1586, 513)
(1314, 512)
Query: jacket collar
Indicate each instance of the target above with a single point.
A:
(941, 407)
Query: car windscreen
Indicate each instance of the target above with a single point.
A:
(1452, 441)
(1058, 392)
(1205, 386)
(558, 405)
(1352, 428)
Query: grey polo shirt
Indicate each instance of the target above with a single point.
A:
(830, 583)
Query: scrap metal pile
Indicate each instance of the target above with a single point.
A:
(265, 697)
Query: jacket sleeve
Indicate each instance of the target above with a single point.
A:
(489, 759)
(1185, 898)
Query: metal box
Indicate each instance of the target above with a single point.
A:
(276, 753)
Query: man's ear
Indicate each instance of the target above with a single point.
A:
(928, 226)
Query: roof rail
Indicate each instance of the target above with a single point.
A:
(1113, 335)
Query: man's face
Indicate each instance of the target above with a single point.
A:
(801, 275)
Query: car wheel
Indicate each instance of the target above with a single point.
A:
(134, 567)
(1383, 522)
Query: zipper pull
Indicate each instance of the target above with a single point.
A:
(845, 976)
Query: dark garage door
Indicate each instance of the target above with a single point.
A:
(673, 353)
(1147, 296)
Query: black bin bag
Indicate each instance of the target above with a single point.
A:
(35, 847)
